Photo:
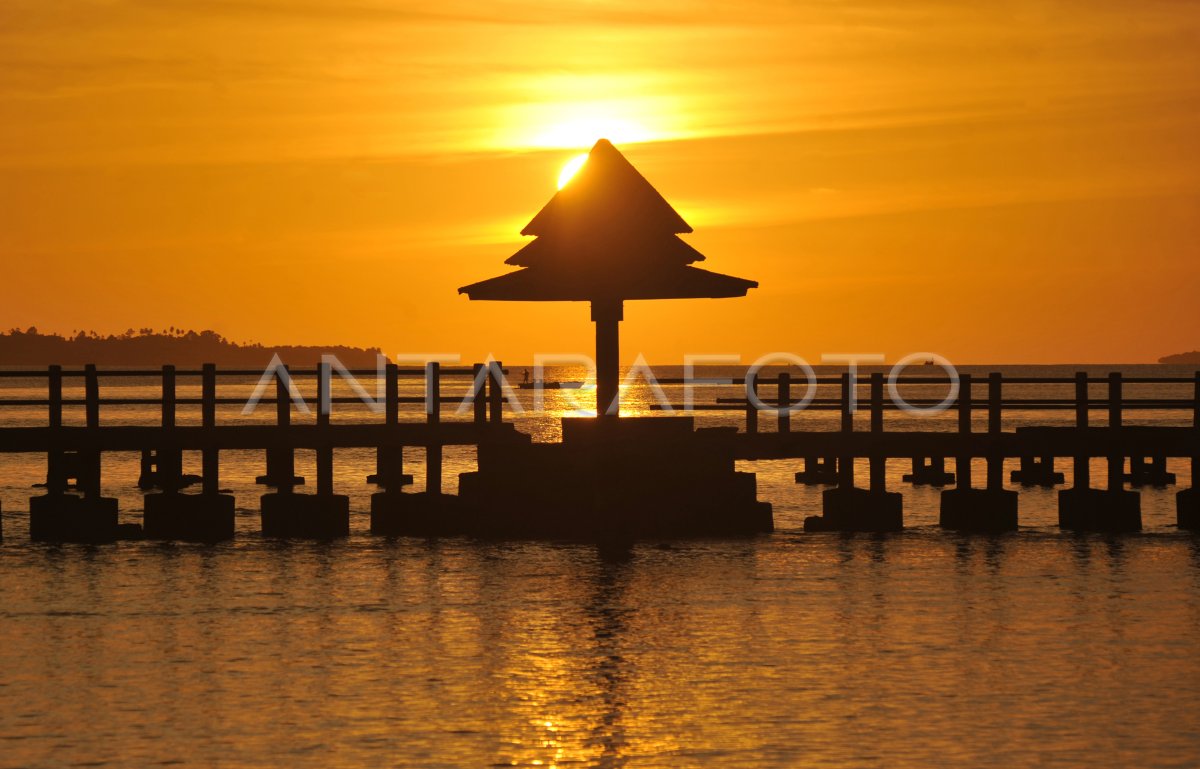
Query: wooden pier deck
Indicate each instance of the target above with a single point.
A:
(767, 430)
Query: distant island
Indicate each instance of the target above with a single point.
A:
(147, 347)
(1183, 358)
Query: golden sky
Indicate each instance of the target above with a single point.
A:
(995, 182)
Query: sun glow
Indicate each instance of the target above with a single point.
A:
(581, 130)
(571, 168)
(615, 112)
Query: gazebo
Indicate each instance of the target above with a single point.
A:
(606, 237)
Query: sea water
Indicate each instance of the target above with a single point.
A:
(901, 650)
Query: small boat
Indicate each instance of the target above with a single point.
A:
(550, 385)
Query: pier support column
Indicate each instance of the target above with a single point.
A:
(305, 516)
(1149, 471)
(963, 508)
(1187, 502)
(432, 513)
(73, 518)
(281, 460)
(162, 469)
(1100, 510)
(423, 514)
(966, 509)
(847, 508)
(607, 315)
(928, 472)
(389, 468)
(59, 516)
(188, 517)
(818, 471)
(1037, 472)
(323, 515)
(389, 460)
(87, 517)
(1187, 509)
(1113, 509)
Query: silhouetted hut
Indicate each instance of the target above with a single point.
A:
(605, 237)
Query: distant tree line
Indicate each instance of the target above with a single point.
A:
(1184, 358)
(147, 347)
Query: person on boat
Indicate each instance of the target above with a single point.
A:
(525, 379)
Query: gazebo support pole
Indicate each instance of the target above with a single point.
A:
(607, 314)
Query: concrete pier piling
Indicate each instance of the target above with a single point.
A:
(73, 518)
(847, 508)
(1187, 501)
(204, 517)
(323, 515)
(162, 466)
(287, 515)
(281, 460)
(627, 477)
(1114, 510)
(1083, 508)
(990, 509)
(1037, 472)
(430, 512)
(928, 471)
(170, 515)
(818, 471)
(1149, 471)
(389, 460)
(59, 516)
(1187, 509)
(422, 514)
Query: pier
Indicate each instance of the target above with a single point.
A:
(649, 476)
(605, 238)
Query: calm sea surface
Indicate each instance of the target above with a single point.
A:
(905, 650)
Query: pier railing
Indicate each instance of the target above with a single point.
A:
(865, 394)
(484, 391)
(829, 455)
(74, 450)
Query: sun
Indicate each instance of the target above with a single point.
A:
(571, 168)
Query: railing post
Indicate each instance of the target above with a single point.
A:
(324, 447)
(168, 396)
(877, 402)
(210, 462)
(391, 396)
(845, 462)
(847, 398)
(783, 397)
(283, 398)
(962, 462)
(389, 460)
(433, 392)
(496, 393)
(1196, 426)
(478, 396)
(751, 406)
(91, 395)
(281, 458)
(56, 480)
(995, 460)
(169, 460)
(433, 449)
(1116, 458)
(1081, 471)
(878, 461)
(89, 471)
